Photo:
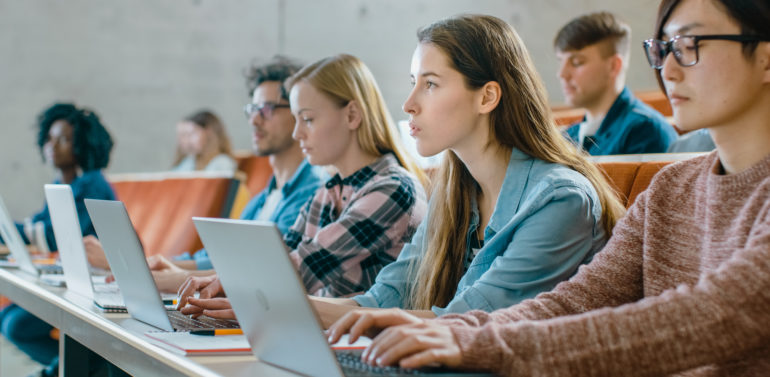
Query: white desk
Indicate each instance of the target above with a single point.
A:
(115, 337)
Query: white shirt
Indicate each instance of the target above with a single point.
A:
(589, 128)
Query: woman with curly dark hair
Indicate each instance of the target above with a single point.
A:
(76, 144)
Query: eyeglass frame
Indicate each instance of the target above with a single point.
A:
(668, 45)
(251, 108)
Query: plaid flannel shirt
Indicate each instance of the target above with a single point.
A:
(355, 226)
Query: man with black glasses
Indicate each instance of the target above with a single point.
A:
(593, 52)
(293, 183)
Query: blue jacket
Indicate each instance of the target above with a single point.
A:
(91, 185)
(630, 127)
(546, 223)
(296, 192)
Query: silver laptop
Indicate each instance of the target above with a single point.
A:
(20, 253)
(271, 303)
(77, 273)
(129, 266)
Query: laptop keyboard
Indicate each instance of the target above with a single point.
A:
(182, 322)
(351, 362)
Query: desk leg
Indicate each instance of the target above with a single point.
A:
(75, 359)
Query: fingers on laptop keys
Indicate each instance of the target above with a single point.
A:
(368, 322)
(199, 283)
(218, 307)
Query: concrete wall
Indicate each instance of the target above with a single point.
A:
(144, 64)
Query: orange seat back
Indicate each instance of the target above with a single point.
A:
(643, 178)
(621, 177)
(258, 172)
(162, 209)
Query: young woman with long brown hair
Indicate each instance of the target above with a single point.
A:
(515, 208)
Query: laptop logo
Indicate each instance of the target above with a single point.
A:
(262, 300)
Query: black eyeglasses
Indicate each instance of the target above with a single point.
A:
(685, 47)
(266, 109)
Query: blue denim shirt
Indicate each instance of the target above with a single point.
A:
(630, 127)
(296, 192)
(546, 223)
(92, 185)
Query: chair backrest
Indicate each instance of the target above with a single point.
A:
(161, 206)
(258, 171)
(629, 179)
(657, 100)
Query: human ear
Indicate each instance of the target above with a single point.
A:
(490, 97)
(763, 52)
(616, 65)
(353, 114)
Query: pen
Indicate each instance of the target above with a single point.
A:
(217, 332)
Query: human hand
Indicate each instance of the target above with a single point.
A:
(209, 286)
(95, 252)
(368, 322)
(218, 307)
(414, 345)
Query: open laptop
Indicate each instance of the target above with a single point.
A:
(129, 266)
(77, 273)
(271, 303)
(20, 253)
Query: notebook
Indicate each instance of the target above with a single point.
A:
(271, 303)
(127, 261)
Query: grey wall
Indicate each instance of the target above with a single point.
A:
(144, 64)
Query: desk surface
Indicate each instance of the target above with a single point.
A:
(117, 337)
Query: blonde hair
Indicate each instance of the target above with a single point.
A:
(344, 78)
(485, 49)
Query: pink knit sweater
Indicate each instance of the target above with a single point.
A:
(683, 286)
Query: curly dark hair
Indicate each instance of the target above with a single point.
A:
(92, 143)
(279, 68)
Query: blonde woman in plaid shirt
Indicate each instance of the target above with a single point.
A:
(359, 221)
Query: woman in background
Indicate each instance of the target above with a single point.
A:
(203, 144)
(77, 145)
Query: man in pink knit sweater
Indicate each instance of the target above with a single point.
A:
(683, 285)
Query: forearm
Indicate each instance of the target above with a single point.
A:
(331, 309)
(186, 264)
(720, 319)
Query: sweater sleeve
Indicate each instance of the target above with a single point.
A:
(614, 277)
(721, 317)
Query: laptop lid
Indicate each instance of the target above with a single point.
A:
(267, 295)
(13, 240)
(69, 239)
(128, 263)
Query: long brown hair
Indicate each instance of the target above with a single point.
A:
(344, 78)
(485, 49)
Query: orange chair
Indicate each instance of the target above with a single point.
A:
(629, 179)
(161, 208)
(258, 171)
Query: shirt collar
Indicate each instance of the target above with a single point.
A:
(363, 175)
(302, 171)
(516, 177)
(621, 103)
